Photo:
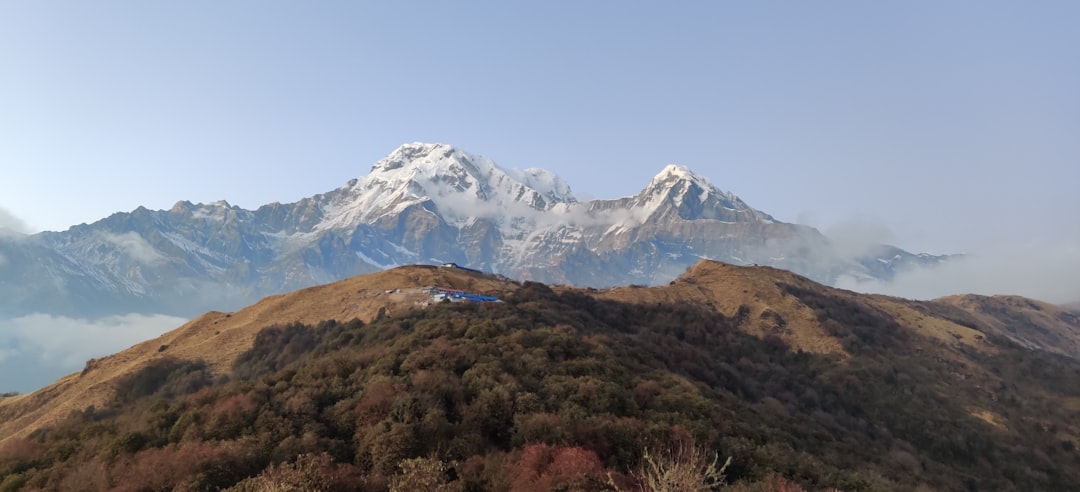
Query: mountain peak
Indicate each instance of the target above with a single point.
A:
(675, 182)
(460, 186)
(678, 190)
(428, 169)
(676, 170)
(678, 173)
(441, 161)
(412, 154)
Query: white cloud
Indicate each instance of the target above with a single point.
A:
(9, 223)
(135, 246)
(858, 237)
(1042, 270)
(462, 206)
(58, 345)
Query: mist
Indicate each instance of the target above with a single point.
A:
(858, 237)
(9, 223)
(578, 214)
(134, 245)
(1047, 269)
(38, 349)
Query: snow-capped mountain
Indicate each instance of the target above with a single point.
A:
(424, 203)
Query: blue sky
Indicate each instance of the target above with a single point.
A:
(937, 126)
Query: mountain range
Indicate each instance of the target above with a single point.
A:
(422, 204)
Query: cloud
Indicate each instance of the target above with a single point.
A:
(40, 348)
(9, 223)
(135, 246)
(1040, 269)
(460, 206)
(859, 237)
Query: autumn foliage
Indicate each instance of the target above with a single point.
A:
(560, 391)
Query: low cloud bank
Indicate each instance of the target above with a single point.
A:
(1047, 271)
(40, 348)
(1027, 260)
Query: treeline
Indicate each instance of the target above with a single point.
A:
(560, 391)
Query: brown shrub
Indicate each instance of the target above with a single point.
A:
(542, 467)
(309, 472)
(195, 464)
(426, 474)
(377, 401)
(771, 483)
(86, 476)
(490, 471)
(18, 453)
(229, 416)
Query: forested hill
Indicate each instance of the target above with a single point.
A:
(802, 386)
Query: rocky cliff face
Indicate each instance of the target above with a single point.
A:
(424, 203)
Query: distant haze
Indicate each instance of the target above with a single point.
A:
(37, 349)
(1019, 261)
(1042, 270)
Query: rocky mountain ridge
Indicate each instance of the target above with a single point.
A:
(422, 204)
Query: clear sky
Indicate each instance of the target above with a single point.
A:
(937, 126)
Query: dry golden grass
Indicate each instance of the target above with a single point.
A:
(942, 330)
(727, 288)
(995, 420)
(1055, 329)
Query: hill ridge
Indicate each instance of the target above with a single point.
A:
(353, 384)
(218, 338)
(765, 301)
